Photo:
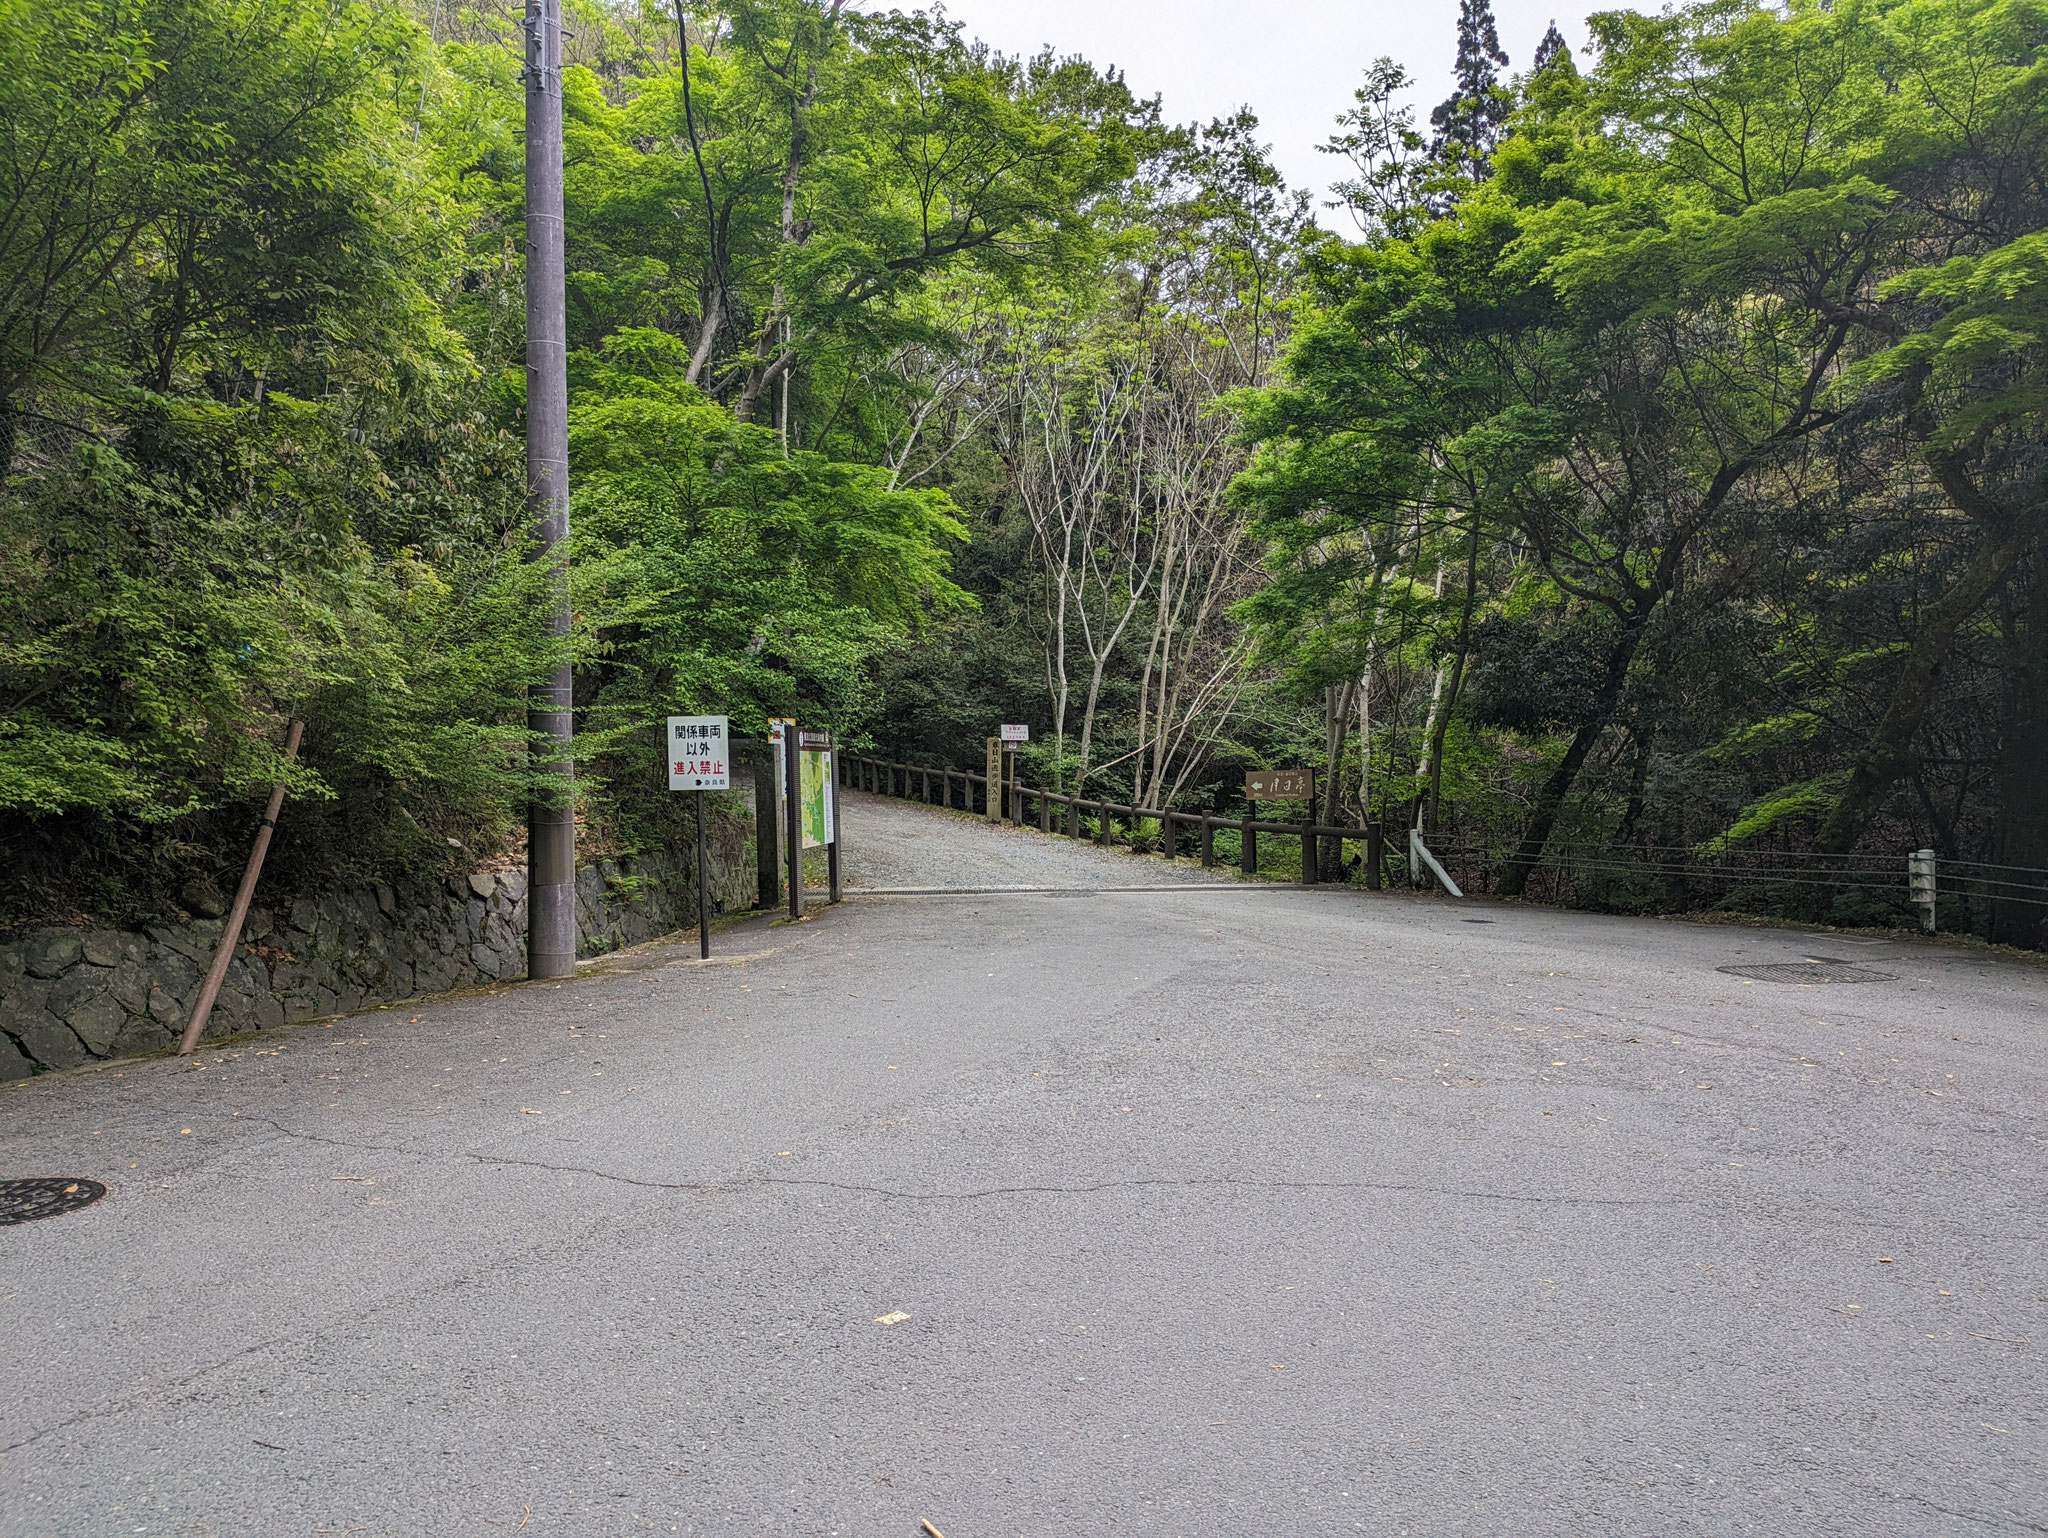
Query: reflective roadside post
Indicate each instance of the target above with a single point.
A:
(838, 827)
(1920, 886)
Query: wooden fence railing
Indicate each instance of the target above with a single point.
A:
(1057, 812)
(1856, 890)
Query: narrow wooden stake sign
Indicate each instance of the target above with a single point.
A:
(231, 935)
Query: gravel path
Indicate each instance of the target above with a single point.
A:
(904, 844)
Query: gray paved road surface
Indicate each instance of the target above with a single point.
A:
(1196, 1212)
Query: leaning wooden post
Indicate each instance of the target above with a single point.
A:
(231, 935)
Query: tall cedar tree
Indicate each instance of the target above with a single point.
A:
(1469, 124)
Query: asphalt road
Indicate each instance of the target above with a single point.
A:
(1230, 1212)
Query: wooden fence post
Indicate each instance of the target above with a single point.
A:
(1309, 873)
(1208, 842)
(767, 831)
(1248, 847)
(1375, 853)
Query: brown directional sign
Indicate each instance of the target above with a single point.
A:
(1279, 784)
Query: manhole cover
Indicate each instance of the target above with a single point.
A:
(46, 1196)
(1815, 969)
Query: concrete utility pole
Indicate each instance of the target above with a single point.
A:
(551, 818)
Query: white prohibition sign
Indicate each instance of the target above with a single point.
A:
(698, 756)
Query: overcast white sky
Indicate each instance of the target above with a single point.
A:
(1295, 62)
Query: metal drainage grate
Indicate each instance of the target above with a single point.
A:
(46, 1196)
(1814, 969)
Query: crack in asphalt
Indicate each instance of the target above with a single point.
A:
(728, 1184)
(568, 1240)
(2007, 1523)
(1162, 1182)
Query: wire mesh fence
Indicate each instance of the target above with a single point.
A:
(1863, 889)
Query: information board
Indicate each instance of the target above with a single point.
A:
(698, 753)
(816, 796)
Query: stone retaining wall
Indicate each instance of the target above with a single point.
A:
(69, 995)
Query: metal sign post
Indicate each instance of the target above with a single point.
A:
(771, 812)
(792, 817)
(700, 760)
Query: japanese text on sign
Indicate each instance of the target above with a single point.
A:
(1279, 784)
(698, 757)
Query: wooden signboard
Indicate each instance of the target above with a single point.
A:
(1279, 784)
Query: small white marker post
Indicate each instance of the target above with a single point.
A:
(1920, 885)
(698, 759)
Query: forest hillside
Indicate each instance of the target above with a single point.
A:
(1631, 473)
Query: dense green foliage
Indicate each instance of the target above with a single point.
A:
(260, 386)
(1693, 454)
(1658, 470)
